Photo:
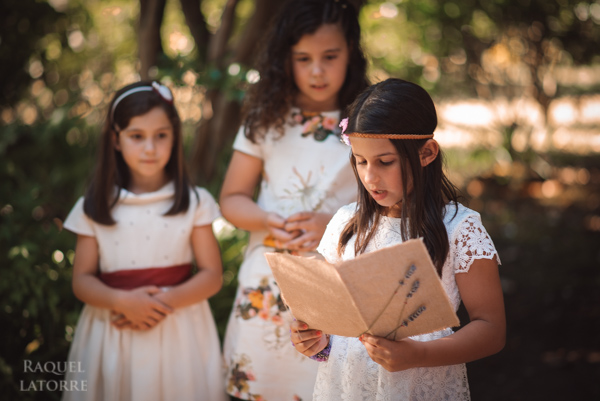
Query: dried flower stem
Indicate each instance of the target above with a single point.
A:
(409, 272)
(413, 316)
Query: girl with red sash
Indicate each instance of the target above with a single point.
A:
(146, 331)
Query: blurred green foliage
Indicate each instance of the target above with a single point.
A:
(61, 60)
(42, 173)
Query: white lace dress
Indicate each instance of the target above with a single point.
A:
(350, 374)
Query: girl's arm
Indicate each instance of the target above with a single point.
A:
(236, 200)
(138, 306)
(208, 281)
(484, 335)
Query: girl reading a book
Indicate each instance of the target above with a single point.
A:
(404, 194)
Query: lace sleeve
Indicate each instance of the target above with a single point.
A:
(328, 247)
(472, 243)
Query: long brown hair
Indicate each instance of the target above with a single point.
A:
(269, 100)
(111, 173)
(395, 106)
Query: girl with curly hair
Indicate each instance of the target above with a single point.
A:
(311, 67)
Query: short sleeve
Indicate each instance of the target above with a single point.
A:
(245, 145)
(208, 210)
(472, 243)
(328, 247)
(78, 222)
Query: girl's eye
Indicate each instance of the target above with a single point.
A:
(136, 136)
(163, 135)
(331, 57)
(386, 163)
(359, 162)
(301, 59)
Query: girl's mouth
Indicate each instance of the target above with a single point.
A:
(378, 194)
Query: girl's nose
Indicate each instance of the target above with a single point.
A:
(371, 176)
(149, 146)
(317, 69)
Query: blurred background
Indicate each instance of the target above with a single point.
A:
(517, 87)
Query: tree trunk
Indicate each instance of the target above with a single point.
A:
(151, 15)
(217, 130)
(197, 25)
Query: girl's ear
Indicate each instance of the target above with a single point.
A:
(115, 141)
(429, 152)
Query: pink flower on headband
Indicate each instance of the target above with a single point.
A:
(344, 126)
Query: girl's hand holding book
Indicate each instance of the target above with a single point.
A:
(393, 356)
(140, 310)
(307, 341)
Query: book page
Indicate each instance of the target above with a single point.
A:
(315, 294)
(398, 292)
(393, 292)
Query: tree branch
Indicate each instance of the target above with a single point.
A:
(197, 25)
(218, 45)
(151, 15)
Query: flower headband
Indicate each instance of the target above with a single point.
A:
(346, 139)
(163, 92)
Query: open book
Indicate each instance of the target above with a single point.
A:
(393, 292)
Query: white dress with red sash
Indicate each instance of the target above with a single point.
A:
(180, 358)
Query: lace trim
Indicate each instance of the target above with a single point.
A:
(472, 243)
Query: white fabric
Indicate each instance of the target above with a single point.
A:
(180, 358)
(299, 174)
(350, 374)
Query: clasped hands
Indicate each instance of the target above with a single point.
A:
(140, 309)
(393, 356)
(300, 232)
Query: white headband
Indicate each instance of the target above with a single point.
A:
(162, 90)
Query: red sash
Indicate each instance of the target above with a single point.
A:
(158, 276)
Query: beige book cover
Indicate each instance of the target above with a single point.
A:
(393, 292)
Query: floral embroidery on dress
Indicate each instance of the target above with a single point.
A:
(263, 303)
(307, 191)
(315, 124)
(260, 302)
(239, 376)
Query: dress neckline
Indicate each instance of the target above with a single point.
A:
(165, 192)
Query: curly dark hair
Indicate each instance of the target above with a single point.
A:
(395, 106)
(269, 100)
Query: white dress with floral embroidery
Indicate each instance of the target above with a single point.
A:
(301, 172)
(350, 374)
